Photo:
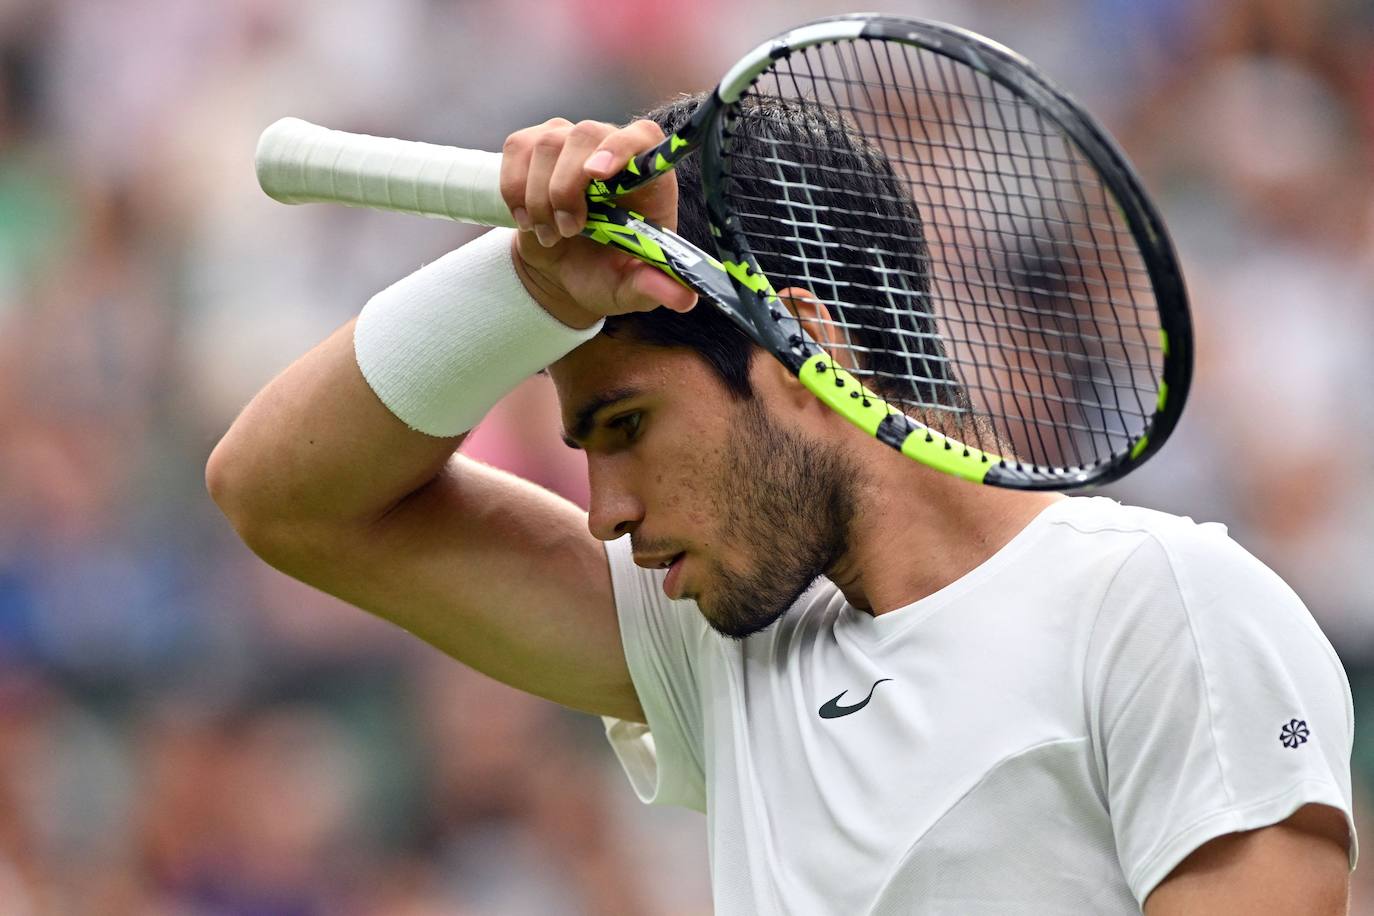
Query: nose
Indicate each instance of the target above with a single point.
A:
(614, 507)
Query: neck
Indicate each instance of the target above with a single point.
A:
(916, 530)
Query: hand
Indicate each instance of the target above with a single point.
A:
(545, 171)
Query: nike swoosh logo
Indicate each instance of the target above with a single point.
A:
(833, 710)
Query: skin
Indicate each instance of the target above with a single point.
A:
(757, 510)
(1297, 866)
(324, 483)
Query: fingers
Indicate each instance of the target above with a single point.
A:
(620, 146)
(644, 288)
(543, 159)
(516, 154)
(545, 170)
(567, 187)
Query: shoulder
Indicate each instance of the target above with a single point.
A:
(1098, 515)
(1215, 703)
(1165, 582)
(1142, 547)
(1179, 586)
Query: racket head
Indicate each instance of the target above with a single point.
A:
(1001, 299)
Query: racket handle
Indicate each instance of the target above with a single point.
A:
(299, 162)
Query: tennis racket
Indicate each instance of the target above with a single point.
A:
(999, 299)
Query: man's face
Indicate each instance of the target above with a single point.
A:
(746, 508)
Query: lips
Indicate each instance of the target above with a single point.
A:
(656, 560)
(672, 581)
(669, 561)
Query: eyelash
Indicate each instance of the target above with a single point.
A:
(627, 424)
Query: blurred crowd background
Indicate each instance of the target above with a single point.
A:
(185, 731)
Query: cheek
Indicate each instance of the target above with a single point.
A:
(691, 484)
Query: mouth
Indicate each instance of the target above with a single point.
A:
(672, 562)
(672, 583)
(661, 561)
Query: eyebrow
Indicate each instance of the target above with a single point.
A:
(582, 421)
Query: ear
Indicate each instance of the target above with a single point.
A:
(816, 320)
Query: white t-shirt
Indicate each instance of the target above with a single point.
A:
(1051, 733)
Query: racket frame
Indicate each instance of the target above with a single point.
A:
(773, 326)
(734, 282)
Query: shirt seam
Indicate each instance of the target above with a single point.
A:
(1201, 665)
(992, 768)
(1102, 604)
(1098, 529)
(1092, 632)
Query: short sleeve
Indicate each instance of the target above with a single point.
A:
(1216, 704)
(663, 640)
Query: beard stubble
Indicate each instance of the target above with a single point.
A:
(786, 507)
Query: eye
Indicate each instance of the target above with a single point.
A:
(628, 424)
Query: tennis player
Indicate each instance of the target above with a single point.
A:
(889, 690)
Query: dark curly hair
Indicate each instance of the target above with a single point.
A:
(813, 138)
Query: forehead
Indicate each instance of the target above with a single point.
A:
(604, 364)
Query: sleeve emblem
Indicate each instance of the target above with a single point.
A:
(1294, 733)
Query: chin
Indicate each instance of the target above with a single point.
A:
(738, 606)
(738, 622)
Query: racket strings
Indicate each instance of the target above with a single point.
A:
(1028, 288)
(1056, 205)
(976, 271)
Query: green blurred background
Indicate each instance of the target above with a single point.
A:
(184, 731)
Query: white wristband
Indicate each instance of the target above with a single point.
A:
(443, 345)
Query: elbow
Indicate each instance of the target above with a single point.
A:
(249, 491)
(229, 481)
(237, 489)
(219, 478)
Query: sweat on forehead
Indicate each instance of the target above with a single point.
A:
(704, 330)
(605, 371)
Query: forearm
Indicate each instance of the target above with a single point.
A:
(317, 446)
(372, 414)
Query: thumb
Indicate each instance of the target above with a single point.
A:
(656, 287)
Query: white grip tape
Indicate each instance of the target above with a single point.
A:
(299, 162)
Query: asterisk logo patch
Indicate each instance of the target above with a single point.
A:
(1294, 733)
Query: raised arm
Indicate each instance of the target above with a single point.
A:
(325, 482)
(1300, 866)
